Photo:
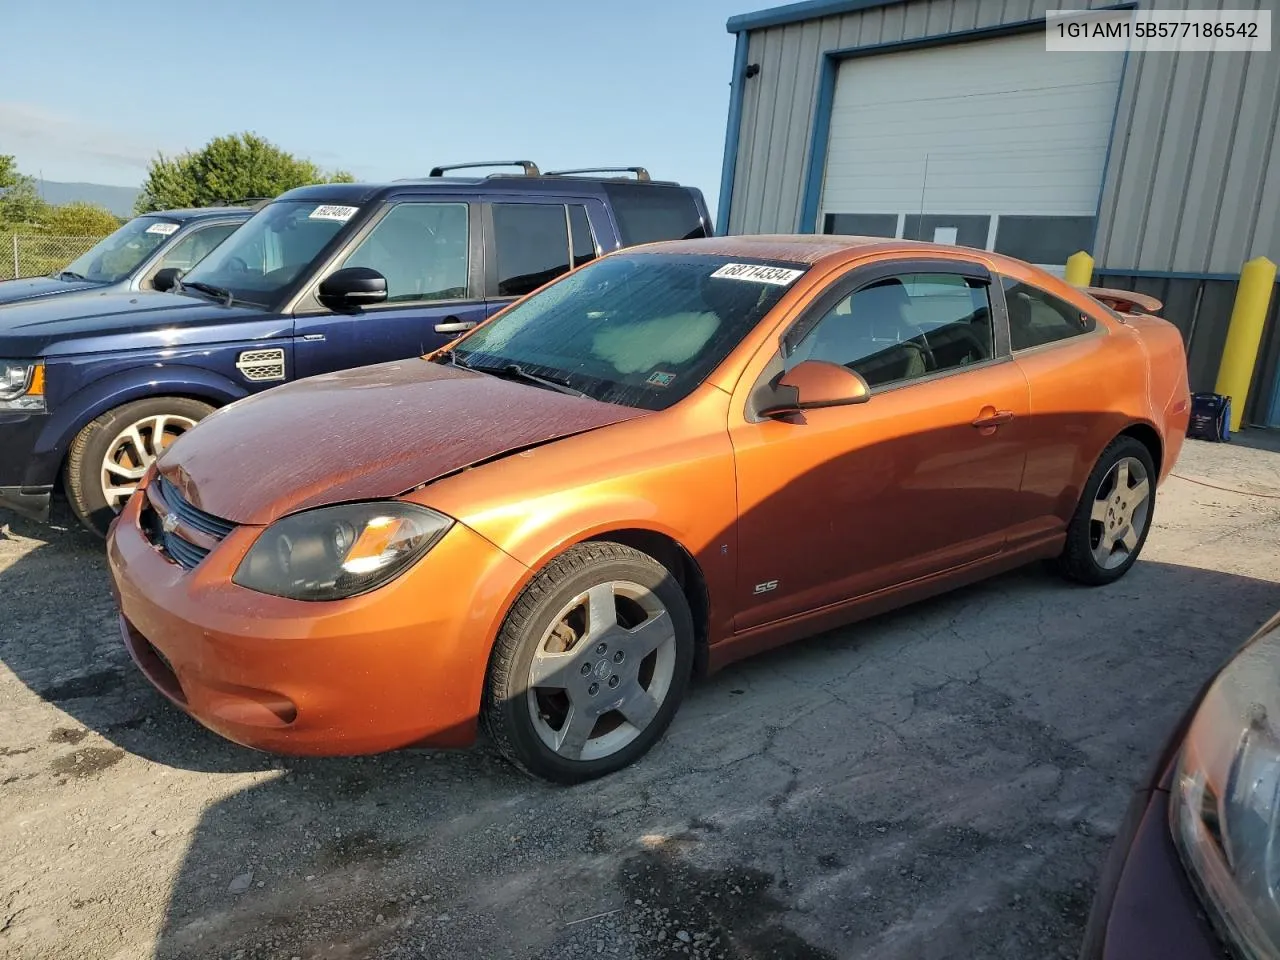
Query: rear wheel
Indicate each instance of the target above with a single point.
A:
(110, 455)
(590, 665)
(1113, 517)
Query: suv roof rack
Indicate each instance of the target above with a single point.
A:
(528, 166)
(641, 173)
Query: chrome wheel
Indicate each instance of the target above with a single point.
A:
(602, 671)
(1120, 513)
(135, 449)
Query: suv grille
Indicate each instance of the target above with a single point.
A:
(163, 499)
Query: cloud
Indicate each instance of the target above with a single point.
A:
(62, 144)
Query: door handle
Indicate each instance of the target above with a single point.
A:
(454, 325)
(993, 419)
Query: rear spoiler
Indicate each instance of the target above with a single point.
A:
(1125, 301)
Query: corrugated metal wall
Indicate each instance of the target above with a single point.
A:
(1193, 178)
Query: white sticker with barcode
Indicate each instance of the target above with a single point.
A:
(164, 229)
(333, 212)
(757, 273)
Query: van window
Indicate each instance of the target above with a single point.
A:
(648, 212)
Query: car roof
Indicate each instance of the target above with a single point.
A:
(360, 193)
(201, 213)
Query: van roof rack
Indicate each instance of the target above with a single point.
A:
(640, 173)
(528, 166)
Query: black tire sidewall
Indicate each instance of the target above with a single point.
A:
(85, 492)
(1120, 449)
(509, 697)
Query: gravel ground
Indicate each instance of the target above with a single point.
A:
(939, 782)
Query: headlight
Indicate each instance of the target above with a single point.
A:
(22, 385)
(339, 552)
(1225, 803)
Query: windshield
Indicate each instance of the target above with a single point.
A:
(115, 257)
(265, 255)
(642, 330)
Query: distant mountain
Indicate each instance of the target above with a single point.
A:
(119, 200)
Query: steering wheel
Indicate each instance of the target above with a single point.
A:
(237, 265)
(931, 362)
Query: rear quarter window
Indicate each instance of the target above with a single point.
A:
(648, 212)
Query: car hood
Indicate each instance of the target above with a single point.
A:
(32, 288)
(365, 434)
(41, 327)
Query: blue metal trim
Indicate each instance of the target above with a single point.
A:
(1111, 136)
(796, 12)
(732, 130)
(1164, 274)
(818, 139)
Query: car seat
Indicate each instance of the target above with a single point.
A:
(874, 338)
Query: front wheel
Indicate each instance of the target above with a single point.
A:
(1113, 517)
(110, 455)
(590, 664)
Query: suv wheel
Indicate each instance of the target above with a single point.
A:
(110, 455)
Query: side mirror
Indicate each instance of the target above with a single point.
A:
(813, 384)
(165, 279)
(353, 287)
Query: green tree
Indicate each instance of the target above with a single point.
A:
(79, 219)
(227, 169)
(20, 201)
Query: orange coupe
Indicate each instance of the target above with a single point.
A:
(671, 458)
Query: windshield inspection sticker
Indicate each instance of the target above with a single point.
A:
(333, 212)
(164, 229)
(757, 273)
(661, 379)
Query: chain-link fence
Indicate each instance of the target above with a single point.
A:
(35, 255)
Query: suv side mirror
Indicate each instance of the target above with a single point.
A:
(815, 383)
(165, 279)
(353, 287)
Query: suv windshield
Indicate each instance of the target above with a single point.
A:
(265, 255)
(642, 330)
(115, 257)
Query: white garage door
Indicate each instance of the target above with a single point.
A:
(995, 144)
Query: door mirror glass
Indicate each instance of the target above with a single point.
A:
(165, 279)
(353, 287)
(813, 384)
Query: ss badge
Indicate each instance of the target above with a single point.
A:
(766, 586)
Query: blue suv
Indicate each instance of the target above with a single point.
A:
(132, 258)
(322, 278)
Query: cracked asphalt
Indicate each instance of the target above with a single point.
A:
(939, 782)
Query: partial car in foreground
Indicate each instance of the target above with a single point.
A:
(131, 259)
(1194, 872)
(672, 458)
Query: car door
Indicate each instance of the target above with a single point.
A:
(428, 251)
(532, 241)
(841, 502)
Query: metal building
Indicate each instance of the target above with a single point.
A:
(947, 120)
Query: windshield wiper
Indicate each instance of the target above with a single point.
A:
(71, 275)
(209, 288)
(516, 372)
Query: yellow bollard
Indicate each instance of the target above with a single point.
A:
(1079, 269)
(1253, 297)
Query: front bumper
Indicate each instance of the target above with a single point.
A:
(23, 487)
(403, 665)
(1145, 907)
(31, 502)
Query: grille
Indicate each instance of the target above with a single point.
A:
(259, 365)
(179, 549)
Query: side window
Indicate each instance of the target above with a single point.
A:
(903, 328)
(192, 248)
(531, 244)
(584, 243)
(421, 248)
(1037, 318)
(647, 212)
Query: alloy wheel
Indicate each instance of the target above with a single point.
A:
(1120, 513)
(135, 449)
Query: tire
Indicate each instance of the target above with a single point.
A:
(550, 627)
(1106, 535)
(86, 471)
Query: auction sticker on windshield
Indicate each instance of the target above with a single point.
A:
(164, 229)
(333, 212)
(757, 273)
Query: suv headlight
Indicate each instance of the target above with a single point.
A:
(1225, 802)
(337, 552)
(22, 385)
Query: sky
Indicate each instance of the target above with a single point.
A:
(382, 88)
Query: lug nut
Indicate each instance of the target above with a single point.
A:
(619, 656)
(586, 669)
(593, 689)
(614, 681)
(602, 648)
